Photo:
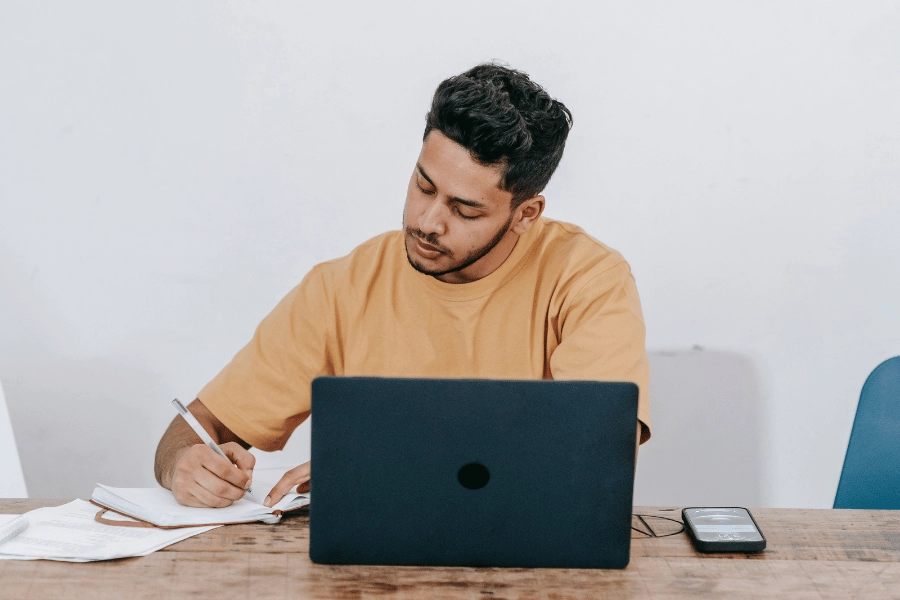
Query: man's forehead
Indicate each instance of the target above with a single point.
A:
(451, 168)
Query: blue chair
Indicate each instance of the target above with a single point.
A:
(871, 475)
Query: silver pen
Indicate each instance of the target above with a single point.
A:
(198, 429)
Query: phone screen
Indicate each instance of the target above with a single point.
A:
(723, 525)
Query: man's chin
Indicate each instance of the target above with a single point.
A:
(434, 271)
(420, 263)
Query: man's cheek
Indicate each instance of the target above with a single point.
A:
(408, 214)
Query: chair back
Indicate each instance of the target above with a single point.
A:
(871, 475)
(12, 480)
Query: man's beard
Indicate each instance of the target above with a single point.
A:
(470, 259)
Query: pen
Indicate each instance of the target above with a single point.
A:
(198, 429)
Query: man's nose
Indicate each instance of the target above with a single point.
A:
(433, 220)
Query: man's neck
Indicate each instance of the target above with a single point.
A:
(486, 265)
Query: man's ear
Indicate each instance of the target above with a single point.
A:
(527, 214)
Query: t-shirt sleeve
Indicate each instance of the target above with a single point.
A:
(602, 336)
(263, 394)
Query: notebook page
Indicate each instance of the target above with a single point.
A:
(158, 506)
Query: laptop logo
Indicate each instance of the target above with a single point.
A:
(473, 476)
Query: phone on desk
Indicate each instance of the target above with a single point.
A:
(725, 529)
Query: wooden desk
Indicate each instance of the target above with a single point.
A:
(811, 554)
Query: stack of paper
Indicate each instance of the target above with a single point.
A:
(70, 533)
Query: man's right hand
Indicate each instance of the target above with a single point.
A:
(203, 478)
(196, 475)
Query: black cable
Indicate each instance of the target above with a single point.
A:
(652, 533)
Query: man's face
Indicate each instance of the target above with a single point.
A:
(457, 219)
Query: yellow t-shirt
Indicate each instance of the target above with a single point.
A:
(562, 306)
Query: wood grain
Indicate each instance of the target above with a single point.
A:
(811, 554)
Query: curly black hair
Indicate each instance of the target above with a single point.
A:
(503, 118)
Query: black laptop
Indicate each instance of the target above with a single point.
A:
(454, 472)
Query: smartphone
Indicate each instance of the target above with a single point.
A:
(728, 529)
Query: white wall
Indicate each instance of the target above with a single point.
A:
(169, 170)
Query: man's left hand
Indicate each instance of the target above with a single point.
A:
(298, 476)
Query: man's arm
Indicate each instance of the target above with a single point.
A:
(637, 445)
(196, 475)
(602, 337)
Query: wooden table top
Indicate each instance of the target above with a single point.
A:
(810, 554)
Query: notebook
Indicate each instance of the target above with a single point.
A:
(451, 472)
(11, 526)
(158, 506)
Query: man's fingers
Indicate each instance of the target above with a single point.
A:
(203, 478)
(297, 476)
(217, 486)
(204, 498)
(224, 469)
(240, 457)
(281, 488)
(189, 492)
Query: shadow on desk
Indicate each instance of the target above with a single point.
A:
(706, 408)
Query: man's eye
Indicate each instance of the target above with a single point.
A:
(464, 215)
(423, 190)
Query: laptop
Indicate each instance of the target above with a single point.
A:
(480, 473)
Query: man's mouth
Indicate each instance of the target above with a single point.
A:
(426, 250)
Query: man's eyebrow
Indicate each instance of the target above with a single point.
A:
(472, 203)
(424, 174)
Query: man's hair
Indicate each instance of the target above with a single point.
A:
(503, 118)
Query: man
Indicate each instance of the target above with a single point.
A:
(477, 284)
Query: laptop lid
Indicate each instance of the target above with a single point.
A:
(451, 472)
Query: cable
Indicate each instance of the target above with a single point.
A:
(651, 533)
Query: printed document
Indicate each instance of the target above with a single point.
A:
(70, 533)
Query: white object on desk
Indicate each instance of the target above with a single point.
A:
(12, 480)
(69, 533)
(159, 507)
(11, 526)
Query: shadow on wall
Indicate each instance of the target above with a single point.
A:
(83, 422)
(706, 408)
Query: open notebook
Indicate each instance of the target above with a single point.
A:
(158, 507)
